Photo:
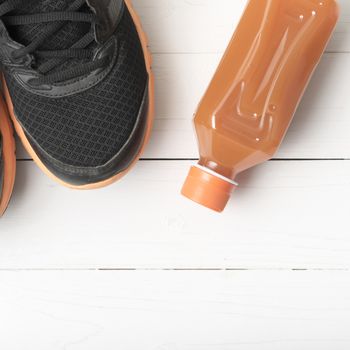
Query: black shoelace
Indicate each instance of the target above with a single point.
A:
(53, 22)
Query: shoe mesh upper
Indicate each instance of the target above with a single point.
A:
(87, 129)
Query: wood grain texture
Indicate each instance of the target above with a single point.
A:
(283, 215)
(163, 310)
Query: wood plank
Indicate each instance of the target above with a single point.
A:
(169, 310)
(206, 26)
(284, 215)
(321, 128)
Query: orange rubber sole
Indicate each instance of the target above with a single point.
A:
(9, 157)
(150, 117)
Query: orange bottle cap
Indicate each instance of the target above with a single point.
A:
(204, 188)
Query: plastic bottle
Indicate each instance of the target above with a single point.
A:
(249, 105)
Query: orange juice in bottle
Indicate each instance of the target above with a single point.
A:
(250, 102)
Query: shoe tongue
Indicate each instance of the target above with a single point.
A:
(64, 38)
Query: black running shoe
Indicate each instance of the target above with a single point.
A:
(78, 86)
(7, 158)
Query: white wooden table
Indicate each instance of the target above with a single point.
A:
(136, 266)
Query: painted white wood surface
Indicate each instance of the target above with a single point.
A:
(172, 310)
(283, 215)
(180, 289)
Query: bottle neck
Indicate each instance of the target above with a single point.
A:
(214, 173)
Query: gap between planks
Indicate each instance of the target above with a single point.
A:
(196, 159)
(177, 269)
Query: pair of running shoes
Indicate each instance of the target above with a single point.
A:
(78, 89)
